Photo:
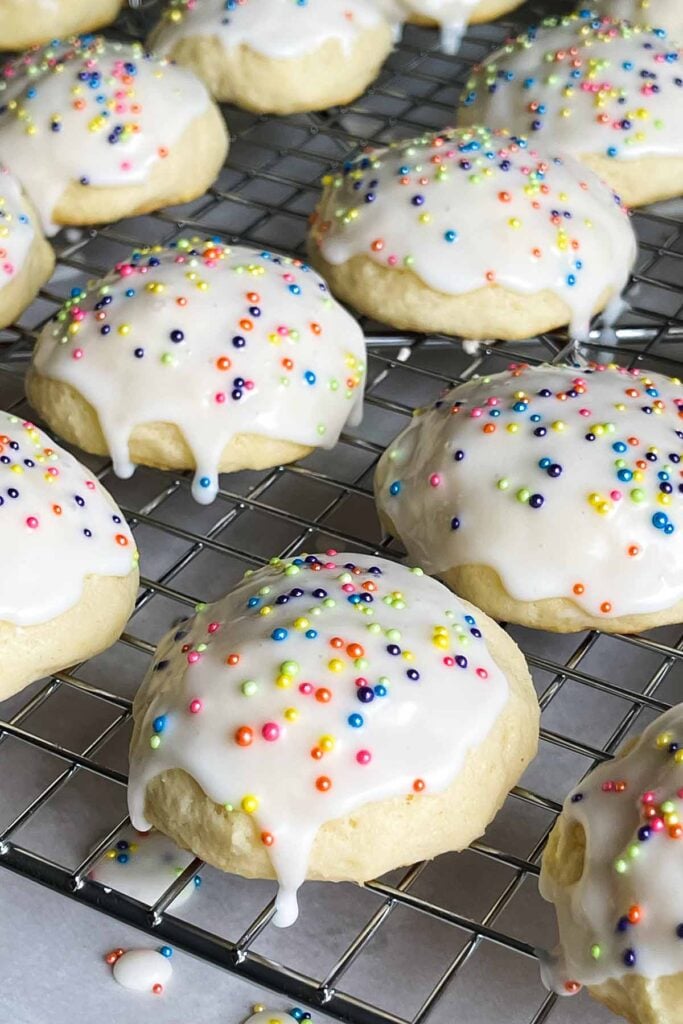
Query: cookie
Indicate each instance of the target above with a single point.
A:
(472, 232)
(451, 16)
(25, 23)
(612, 867)
(201, 357)
(548, 496)
(607, 92)
(69, 563)
(667, 14)
(26, 259)
(333, 717)
(96, 130)
(274, 56)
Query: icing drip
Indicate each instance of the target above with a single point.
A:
(316, 687)
(667, 14)
(452, 16)
(142, 970)
(218, 341)
(57, 526)
(279, 29)
(16, 229)
(91, 111)
(624, 915)
(144, 865)
(435, 205)
(587, 85)
(509, 463)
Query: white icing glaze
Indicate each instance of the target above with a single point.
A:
(262, 1016)
(169, 335)
(503, 466)
(279, 29)
(585, 85)
(95, 112)
(142, 969)
(622, 916)
(451, 15)
(468, 207)
(667, 14)
(57, 526)
(325, 688)
(143, 865)
(17, 231)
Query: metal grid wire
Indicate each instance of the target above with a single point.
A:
(593, 689)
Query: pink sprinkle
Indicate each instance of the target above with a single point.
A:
(193, 656)
(449, 661)
(361, 681)
(90, 485)
(249, 385)
(220, 397)
(331, 552)
(32, 522)
(616, 495)
(270, 731)
(283, 330)
(584, 412)
(657, 824)
(648, 797)
(392, 260)
(679, 793)
(124, 269)
(8, 268)
(364, 757)
(77, 353)
(348, 588)
(482, 673)
(476, 413)
(196, 706)
(306, 688)
(330, 565)
(435, 480)
(213, 627)
(607, 787)
(126, 165)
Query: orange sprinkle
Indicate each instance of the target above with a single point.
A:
(578, 588)
(606, 607)
(418, 785)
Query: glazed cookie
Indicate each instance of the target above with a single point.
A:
(201, 357)
(334, 717)
(276, 56)
(69, 564)
(451, 16)
(607, 92)
(25, 23)
(612, 868)
(667, 14)
(26, 259)
(549, 496)
(472, 232)
(96, 130)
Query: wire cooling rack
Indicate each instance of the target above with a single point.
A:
(452, 940)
